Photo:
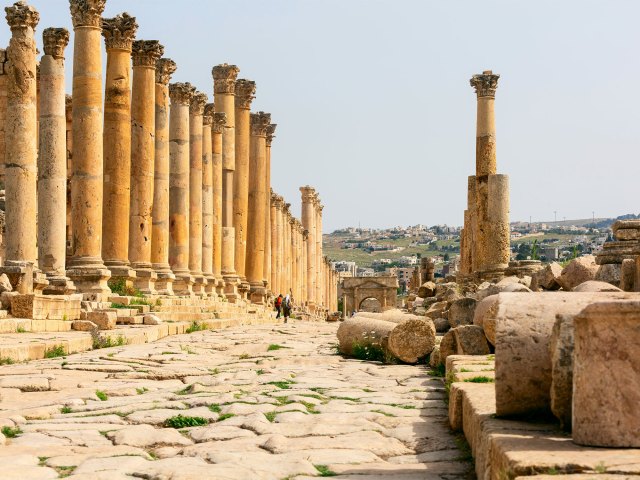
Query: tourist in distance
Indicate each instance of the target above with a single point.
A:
(286, 307)
(278, 305)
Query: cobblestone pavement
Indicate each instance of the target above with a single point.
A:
(260, 402)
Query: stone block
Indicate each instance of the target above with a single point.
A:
(50, 307)
(151, 319)
(84, 326)
(461, 312)
(5, 284)
(596, 286)
(470, 340)
(606, 379)
(104, 320)
(561, 347)
(578, 271)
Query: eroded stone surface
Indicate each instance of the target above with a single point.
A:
(261, 413)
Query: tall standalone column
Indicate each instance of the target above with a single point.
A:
(267, 237)
(196, 110)
(244, 92)
(21, 148)
(207, 204)
(256, 225)
(492, 231)
(165, 67)
(224, 80)
(303, 272)
(52, 163)
(219, 120)
(287, 218)
(118, 33)
(146, 53)
(180, 95)
(309, 223)
(86, 268)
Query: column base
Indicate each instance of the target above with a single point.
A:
(59, 285)
(121, 272)
(219, 286)
(145, 281)
(164, 283)
(231, 284)
(24, 278)
(493, 273)
(210, 288)
(91, 282)
(243, 289)
(258, 294)
(199, 285)
(183, 284)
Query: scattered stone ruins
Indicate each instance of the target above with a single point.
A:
(170, 196)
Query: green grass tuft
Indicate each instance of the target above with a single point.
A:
(57, 351)
(11, 432)
(224, 416)
(65, 410)
(324, 471)
(438, 371)
(271, 416)
(481, 379)
(283, 385)
(195, 327)
(274, 346)
(6, 361)
(101, 395)
(181, 422)
(215, 408)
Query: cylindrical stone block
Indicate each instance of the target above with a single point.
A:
(606, 379)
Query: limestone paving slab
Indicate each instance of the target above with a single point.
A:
(259, 413)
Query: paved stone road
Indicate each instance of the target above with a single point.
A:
(295, 412)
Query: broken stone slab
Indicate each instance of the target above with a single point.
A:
(45, 307)
(151, 319)
(606, 384)
(561, 348)
(520, 327)
(547, 278)
(578, 271)
(470, 340)
(461, 312)
(84, 326)
(427, 289)
(104, 320)
(610, 273)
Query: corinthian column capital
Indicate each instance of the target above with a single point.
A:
(259, 123)
(165, 67)
(224, 78)
(119, 31)
(485, 83)
(20, 15)
(181, 93)
(55, 41)
(146, 53)
(86, 13)
(244, 90)
(198, 101)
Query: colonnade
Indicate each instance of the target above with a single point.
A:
(169, 194)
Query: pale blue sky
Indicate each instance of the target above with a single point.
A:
(374, 107)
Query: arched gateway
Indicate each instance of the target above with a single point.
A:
(356, 290)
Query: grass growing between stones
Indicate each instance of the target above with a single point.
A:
(11, 432)
(98, 341)
(57, 351)
(275, 346)
(180, 421)
(438, 371)
(66, 410)
(271, 416)
(324, 471)
(142, 390)
(64, 472)
(283, 385)
(480, 379)
(224, 416)
(465, 449)
(382, 412)
(6, 361)
(195, 327)
(373, 353)
(101, 395)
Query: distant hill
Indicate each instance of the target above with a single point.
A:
(588, 222)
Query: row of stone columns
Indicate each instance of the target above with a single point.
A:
(170, 194)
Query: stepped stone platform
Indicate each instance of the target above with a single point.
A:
(505, 449)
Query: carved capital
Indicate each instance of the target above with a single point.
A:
(259, 123)
(146, 53)
(224, 78)
(20, 15)
(87, 13)
(271, 129)
(219, 121)
(308, 194)
(209, 109)
(165, 67)
(207, 120)
(245, 90)
(198, 101)
(181, 93)
(55, 41)
(119, 31)
(485, 83)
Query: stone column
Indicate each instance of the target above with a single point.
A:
(52, 163)
(118, 33)
(287, 248)
(492, 230)
(244, 91)
(143, 128)
(207, 205)
(273, 225)
(219, 120)
(318, 257)
(224, 79)
(267, 239)
(196, 110)
(165, 67)
(308, 222)
(180, 95)
(256, 212)
(86, 268)
(21, 148)
(305, 267)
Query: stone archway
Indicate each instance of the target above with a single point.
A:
(370, 304)
(357, 289)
